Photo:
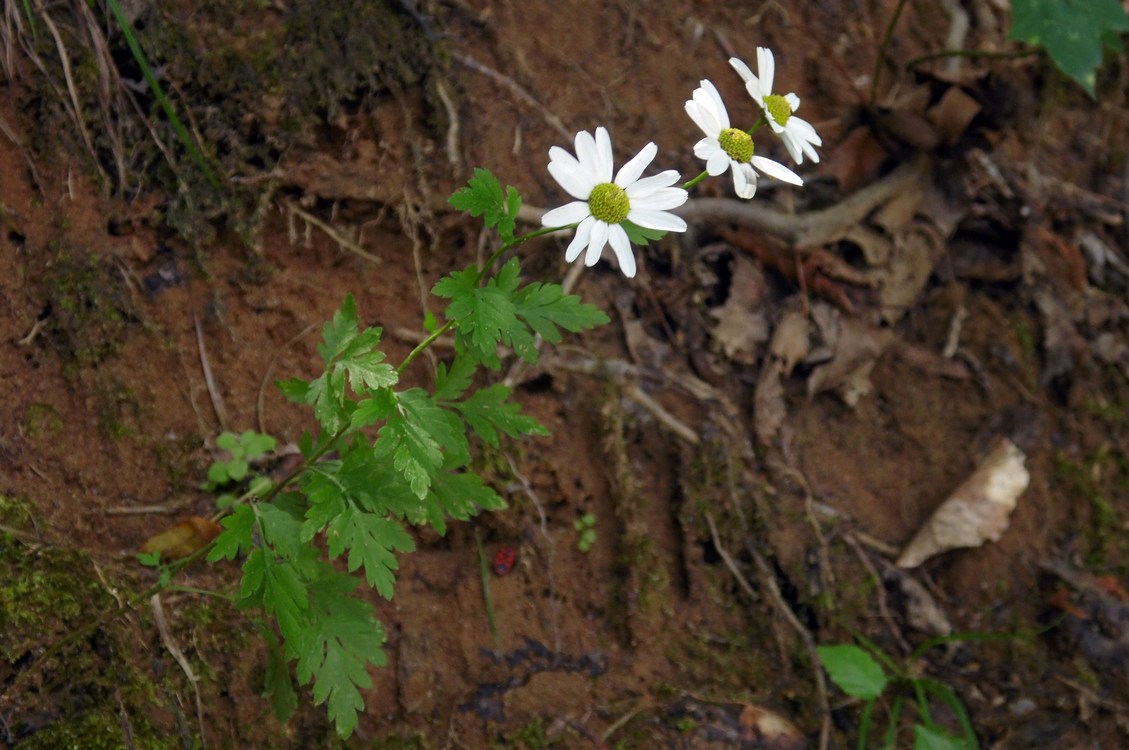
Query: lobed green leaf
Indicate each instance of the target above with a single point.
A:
(489, 412)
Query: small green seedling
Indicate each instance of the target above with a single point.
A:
(241, 449)
(586, 527)
(860, 675)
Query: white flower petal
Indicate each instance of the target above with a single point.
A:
(580, 239)
(793, 101)
(793, 147)
(706, 148)
(701, 118)
(604, 155)
(717, 120)
(630, 171)
(661, 200)
(648, 185)
(719, 105)
(596, 242)
(570, 213)
(717, 163)
(777, 170)
(766, 67)
(559, 155)
(652, 219)
(617, 238)
(575, 180)
(587, 155)
(744, 180)
(804, 130)
(743, 70)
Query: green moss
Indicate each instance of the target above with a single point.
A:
(42, 421)
(1088, 481)
(89, 307)
(76, 696)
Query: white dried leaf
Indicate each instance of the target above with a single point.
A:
(979, 510)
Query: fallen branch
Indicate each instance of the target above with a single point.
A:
(801, 231)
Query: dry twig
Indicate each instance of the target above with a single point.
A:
(342, 241)
(179, 657)
(213, 391)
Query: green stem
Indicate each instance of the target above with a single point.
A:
(485, 569)
(691, 183)
(424, 344)
(519, 240)
(882, 52)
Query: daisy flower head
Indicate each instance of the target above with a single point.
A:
(798, 135)
(726, 147)
(603, 204)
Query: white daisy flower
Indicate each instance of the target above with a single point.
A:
(798, 135)
(603, 204)
(725, 147)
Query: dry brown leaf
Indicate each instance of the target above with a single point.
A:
(742, 323)
(188, 536)
(790, 340)
(915, 255)
(855, 351)
(856, 160)
(953, 114)
(769, 410)
(762, 729)
(978, 511)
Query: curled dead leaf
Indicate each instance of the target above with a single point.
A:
(188, 536)
(978, 511)
(762, 729)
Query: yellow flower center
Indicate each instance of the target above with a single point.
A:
(738, 144)
(608, 202)
(779, 108)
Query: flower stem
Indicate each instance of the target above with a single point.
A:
(691, 183)
(518, 240)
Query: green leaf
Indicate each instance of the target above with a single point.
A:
(227, 441)
(341, 637)
(638, 235)
(295, 390)
(854, 670)
(256, 444)
(483, 197)
(485, 314)
(217, 473)
(926, 738)
(371, 541)
(237, 468)
(460, 495)
(339, 332)
(236, 537)
(327, 500)
(327, 394)
(278, 686)
(416, 436)
(1072, 31)
(377, 408)
(149, 559)
(545, 307)
(366, 373)
(450, 384)
(281, 530)
(489, 412)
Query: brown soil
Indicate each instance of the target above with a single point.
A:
(667, 632)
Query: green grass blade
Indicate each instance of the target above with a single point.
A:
(181, 132)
